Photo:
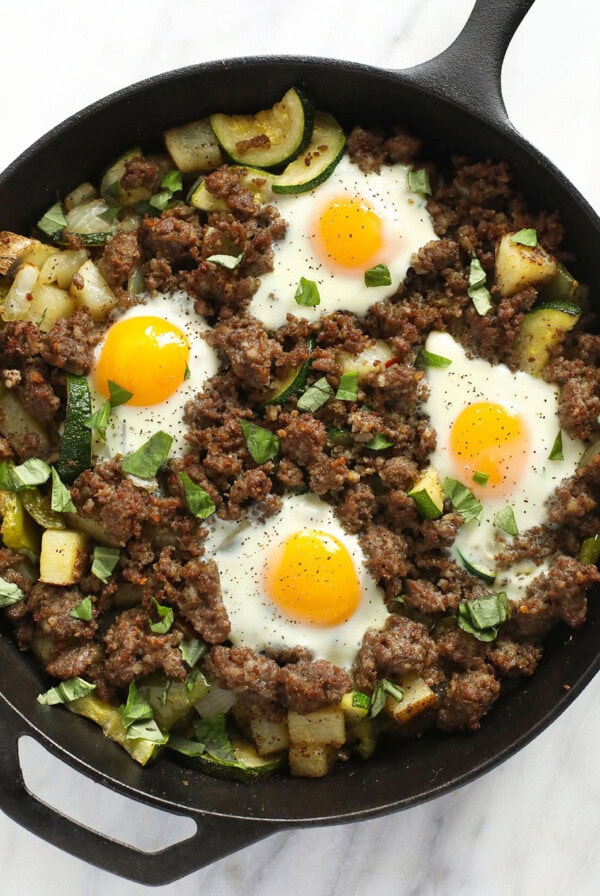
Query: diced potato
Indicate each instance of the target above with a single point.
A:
(82, 193)
(311, 760)
(374, 357)
(39, 254)
(61, 267)
(418, 697)
(17, 424)
(518, 266)
(91, 291)
(323, 726)
(18, 298)
(13, 247)
(193, 146)
(62, 557)
(269, 737)
(50, 303)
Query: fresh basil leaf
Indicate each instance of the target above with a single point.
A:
(118, 395)
(191, 650)
(481, 616)
(378, 276)
(110, 215)
(505, 520)
(199, 502)
(166, 619)
(149, 458)
(60, 500)
(172, 181)
(7, 483)
(146, 730)
(104, 561)
(382, 689)
(378, 443)
(315, 396)
(428, 359)
(54, 220)
(480, 478)
(160, 200)
(194, 676)
(212, 732)
(477, 289)
(262, 444)
(84, 610)
(226, 261)
(99, 420)
(589, 552)
(307, 293)
(557, 449)
(26, 475)
(348, 387)
(360, 700)
(66, 692)
(187, 373)
(463, 499)
(418, 181)
(185, 746)
(9, 594)
(136, 709)
(526, 237)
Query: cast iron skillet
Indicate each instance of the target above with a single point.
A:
(455, 103)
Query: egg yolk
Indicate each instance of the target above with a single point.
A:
(349, 233)
(311, 578)
(146, 356)
(491, 439)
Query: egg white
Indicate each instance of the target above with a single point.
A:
(241, 550)
(469, 380)
(406, 227)
(130, 426)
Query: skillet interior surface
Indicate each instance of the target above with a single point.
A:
(414, 770)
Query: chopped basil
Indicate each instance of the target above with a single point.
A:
(26, 475)
(480, 478)
(226, 261)
(557, 449)
(378, 443)
(428, 359)
(104, 561)
(589, 552)
(315, 396)
(185, 746)
(166, 619)
(172, 180)
(54, 220)
(199, 502)
(110, 215)
(526, 237)
(262, 444)
(307, 293)
(160, 200)
(463, 499)
(118, 395)
(146, 730)
(84, 610)
(360, 700)
(382, 689)
(66, 692)
(348, 387)
(60, 500)
(378, 276)
(150, 457)
(136, 709)
(477, 290)
(505, 520)
(9, 594)
(193, 678)
(481, 616)
(99, 420)
(187, 374)
(418, 181)
(212, 732)
(191, 650)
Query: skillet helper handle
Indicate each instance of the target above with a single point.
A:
(469, 70)
(215, 837)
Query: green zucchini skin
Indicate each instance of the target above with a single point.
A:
(76, 445)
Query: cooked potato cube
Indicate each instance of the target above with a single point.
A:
(39, 254)
(518, 266)
(16, 305)
(82, 193)
(269, 737)
(62, 557)
(91, 291)
(311, 761)
(374, 357)
(61, 267)
(418, 697)
(323, 726)
(49, 304)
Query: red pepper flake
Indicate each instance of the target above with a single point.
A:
(395, 360)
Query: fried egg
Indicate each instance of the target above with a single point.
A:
(296, 579)
(494, 423)
(348, 225)
(158, 352)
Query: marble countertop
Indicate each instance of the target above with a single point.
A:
(527, 828)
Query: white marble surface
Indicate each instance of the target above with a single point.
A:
(529, 827)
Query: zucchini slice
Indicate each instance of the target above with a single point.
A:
(253, 179)
(249, 765)
(76, 446)
(486, 575)
(270, 138)
(294, 382)
(317, 162)
(428, 495)
(541, 329)
(109, 719)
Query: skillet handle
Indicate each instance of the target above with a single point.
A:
(469, 71)
(215, 837)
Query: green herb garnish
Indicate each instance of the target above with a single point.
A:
(212, 732)
(315, 396)
(199, 502)
(191, 650)
(378, 443)
(99, 420)
(418, 181)
(117, 394)
(463, 500)
(149, 458)
(428, 359)
(172, 180)
(378, 276)
(136, 709)
(186, 747)
(166, 618)
(477, 289)
(526, 237)
(84, 610)
(146, 730)
(26, 475)
(348, 387)
(9, 594)
(556, 452)
(66, 692)
(104, 561)
(382, 689)
(262, 444)
(54, 220)
(307, 293)
(60, 499)
(226, 261)
(481, 616)
(505, 520)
